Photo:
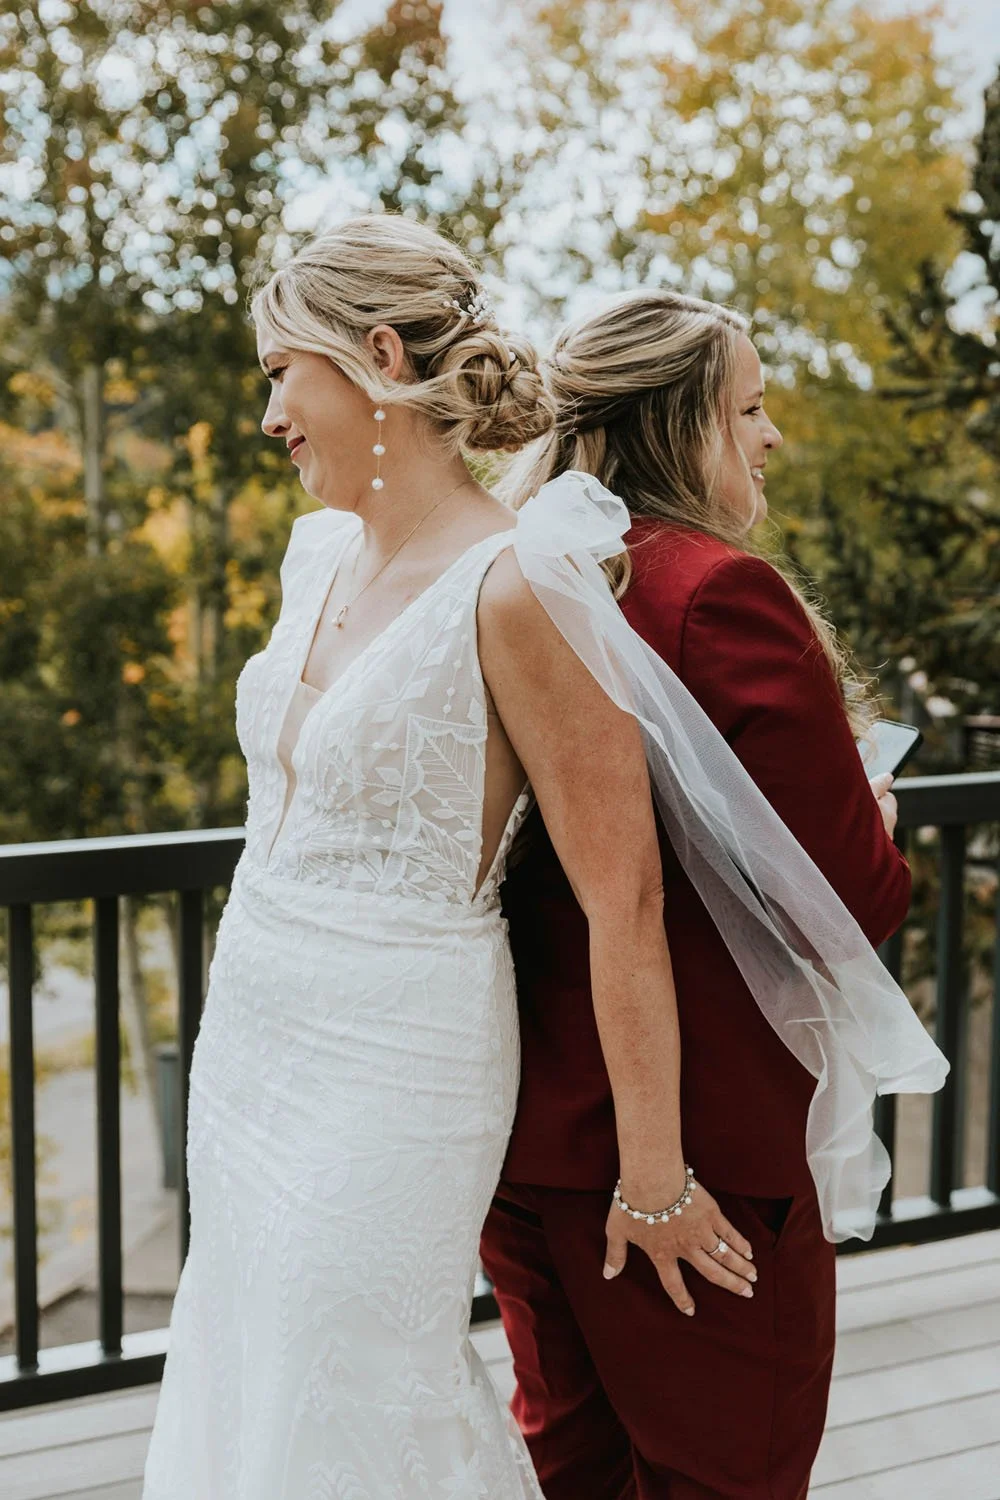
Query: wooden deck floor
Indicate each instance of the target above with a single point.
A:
(914, 1412)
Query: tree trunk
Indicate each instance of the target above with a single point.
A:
(135, 1014)
(219, 588)
(92, 403)
(211, 620)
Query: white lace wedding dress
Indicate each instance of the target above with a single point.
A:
(353, 1085)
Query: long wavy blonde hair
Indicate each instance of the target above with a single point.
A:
(644, 392)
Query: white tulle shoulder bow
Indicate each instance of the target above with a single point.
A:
(812, 971)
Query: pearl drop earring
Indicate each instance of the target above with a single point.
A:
(378, 451)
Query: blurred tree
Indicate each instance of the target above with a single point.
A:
(796, 159)
(80, 158)
(401, 125)
(161, 144)
(790, 156)
(86, 686)
(129, 124)
(784, 156)
(936, 599)
(945, 335)
(290, 101)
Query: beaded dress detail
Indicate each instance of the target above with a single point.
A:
(354, 1081)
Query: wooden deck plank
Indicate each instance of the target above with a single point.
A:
(974, 1475)
(490, 1342)
(875, 1267)
(74, 1468)
(909, 1387)
(128, 1489)
(887, 1344)
(898, 1301)
(68, 1422)
(909, 1437)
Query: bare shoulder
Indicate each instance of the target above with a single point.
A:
(504, 585)
(510, 615)
(538, 683)
(582, 754)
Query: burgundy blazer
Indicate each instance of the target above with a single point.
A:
(734, 632)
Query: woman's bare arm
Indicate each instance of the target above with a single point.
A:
(585, 761)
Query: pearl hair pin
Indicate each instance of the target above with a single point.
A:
(477, 309)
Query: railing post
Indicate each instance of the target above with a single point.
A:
(109, 1181)
(192, 918)
(99, 872)
(948, 1122)
(993, 1111)
(22, 1121)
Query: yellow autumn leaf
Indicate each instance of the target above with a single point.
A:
(167, 530)
(199, 440)
(32, 385)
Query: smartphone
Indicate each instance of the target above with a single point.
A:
(888, 746)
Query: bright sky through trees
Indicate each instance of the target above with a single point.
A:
(967, 34)
(969, 31)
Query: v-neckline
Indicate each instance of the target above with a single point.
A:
(309, 639)
(317, 617)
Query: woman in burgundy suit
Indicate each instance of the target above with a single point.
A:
(661, 397)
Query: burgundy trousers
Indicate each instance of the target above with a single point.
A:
(621, 1397)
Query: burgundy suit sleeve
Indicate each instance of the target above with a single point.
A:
(750, 657)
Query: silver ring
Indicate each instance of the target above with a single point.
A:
(720, 1248)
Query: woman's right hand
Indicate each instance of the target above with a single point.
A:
(691, 1235)
(887, 805)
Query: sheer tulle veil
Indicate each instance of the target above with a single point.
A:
(812, 971)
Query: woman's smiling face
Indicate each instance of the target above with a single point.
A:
(752, 436)
(325, 420)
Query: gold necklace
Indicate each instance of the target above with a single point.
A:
(341, 615)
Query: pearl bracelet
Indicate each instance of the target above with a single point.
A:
(663, 1214)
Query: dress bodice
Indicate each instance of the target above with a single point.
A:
(390, 763)
(303, 699)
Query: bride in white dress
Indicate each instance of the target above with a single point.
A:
(356, 1070)
(355, 1075)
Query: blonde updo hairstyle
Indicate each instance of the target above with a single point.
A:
(643, 392)
(481, 389)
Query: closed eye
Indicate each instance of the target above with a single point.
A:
(276, 373)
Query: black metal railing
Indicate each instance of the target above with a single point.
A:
(100, 870)
(193, 864)
(955, 806)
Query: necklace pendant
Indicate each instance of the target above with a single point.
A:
(341, 616)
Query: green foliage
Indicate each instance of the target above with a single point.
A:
(145, 514)
(154, 208)
(85, 690)
(937, 506)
